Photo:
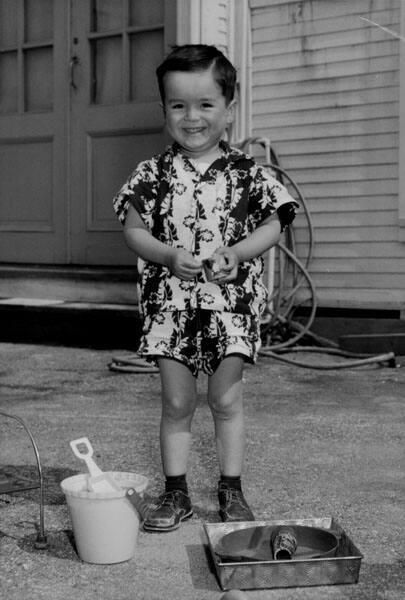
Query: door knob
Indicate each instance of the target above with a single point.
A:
(74, 61)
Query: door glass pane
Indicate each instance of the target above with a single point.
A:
(146, 55)
(106, 15)
(8, 82)
(146, 12)
(38, 69)
(106, 68)
(8, 23)
(38, 20)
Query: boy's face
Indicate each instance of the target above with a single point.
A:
(196, 111)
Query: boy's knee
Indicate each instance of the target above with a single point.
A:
(225, 406)
(178, 408)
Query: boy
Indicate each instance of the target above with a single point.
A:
(201, 203)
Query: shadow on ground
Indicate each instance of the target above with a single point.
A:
(21, 476)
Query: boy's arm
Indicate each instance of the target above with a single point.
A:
(139, 239)
(262, 239)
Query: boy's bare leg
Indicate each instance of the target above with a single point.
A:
(178, 406)
(226, 403)
(179, 397)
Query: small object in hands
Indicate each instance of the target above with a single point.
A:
(213, 266)
(98, 481)
(284, 543)
(142, 506)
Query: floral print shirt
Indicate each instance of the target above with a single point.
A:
(201, 212)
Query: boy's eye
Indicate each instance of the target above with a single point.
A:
(178, 105)
(207, 105)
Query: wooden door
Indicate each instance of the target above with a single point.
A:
(33, 101)
(79, 108)
(116, 119)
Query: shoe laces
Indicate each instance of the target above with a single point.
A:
(233, 495)
(169, 498)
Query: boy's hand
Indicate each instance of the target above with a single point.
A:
(183, 264)
(228, 262)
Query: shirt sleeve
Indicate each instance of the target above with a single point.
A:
(140, 191)
(266, 196)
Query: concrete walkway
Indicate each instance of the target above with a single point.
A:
(320, 444)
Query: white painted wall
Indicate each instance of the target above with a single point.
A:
(325, 90)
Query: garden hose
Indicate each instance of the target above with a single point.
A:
(131, 364)
(284, 317)
(388, 358)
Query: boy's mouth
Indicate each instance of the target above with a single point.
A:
(193, 129)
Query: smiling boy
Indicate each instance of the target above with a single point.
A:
(196, 112)
(199, 199)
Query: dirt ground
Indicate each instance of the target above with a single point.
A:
(320, 444)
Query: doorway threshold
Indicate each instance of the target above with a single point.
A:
(106, 285)
(79, 306)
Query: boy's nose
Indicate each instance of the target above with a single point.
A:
(191, 114)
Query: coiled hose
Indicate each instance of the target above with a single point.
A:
(280, 332)
(283, 301)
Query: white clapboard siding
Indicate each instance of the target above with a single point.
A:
(339, 26)
(354, 235)
(293, 11)
(345, 251)
(326, 94)
(214, 23)
(312, 88)
(223, 25)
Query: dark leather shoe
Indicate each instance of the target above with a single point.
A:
(172, 508)
(232, 504)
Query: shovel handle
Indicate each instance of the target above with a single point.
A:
(86, 456)
(83, 441)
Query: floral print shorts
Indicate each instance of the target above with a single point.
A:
(200, 339)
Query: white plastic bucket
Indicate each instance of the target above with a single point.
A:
(105, 525)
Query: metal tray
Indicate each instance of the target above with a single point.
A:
(344, 567)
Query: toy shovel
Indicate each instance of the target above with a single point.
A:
(98, 481)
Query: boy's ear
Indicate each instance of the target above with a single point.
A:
(163, 108)
(231, 111)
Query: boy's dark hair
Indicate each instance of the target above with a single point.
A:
(199, 57)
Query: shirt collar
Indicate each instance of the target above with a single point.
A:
(229, 157)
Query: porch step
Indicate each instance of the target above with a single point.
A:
(71, 306)
(72, 284)
(80, 324)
